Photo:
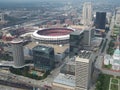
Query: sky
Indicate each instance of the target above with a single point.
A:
(23, 0)
(20, 0)
(28, 1)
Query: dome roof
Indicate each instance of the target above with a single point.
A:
(117, 51)
(116, 54)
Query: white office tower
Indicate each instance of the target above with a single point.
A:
(1, 17)
(87, 37)
(82, 73)
(117, 16)
(18, 55)
(87, 14)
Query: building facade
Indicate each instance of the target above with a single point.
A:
(100, 21)
(43, 57)
(88, 35)
(82, 73)
(18, 54)
(76, 42)
(1, 17)
(87, 13)
(117, 16)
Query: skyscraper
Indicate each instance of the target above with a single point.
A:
(117, 17)
(18, 54)
(76, 42)
(100, 20)
(82, 73)
(87, 37)
(87, 13)
(1, 17)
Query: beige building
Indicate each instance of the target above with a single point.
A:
(82, 73)
(87, 13)
(117, 17)
(82, 78)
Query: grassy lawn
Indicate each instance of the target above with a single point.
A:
(103, 82)
(114, 87)
(115, 84)
(25, 71)
(115, 81)
(107, 82)
(108, 66)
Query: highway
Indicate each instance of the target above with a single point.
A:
(18, 81)
(7, 76)
(108, 37)
(26, 24)
(16, 84)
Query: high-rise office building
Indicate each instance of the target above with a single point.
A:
(87, 37)
(117, 16)
(82, 72)
(76, 42)
(43, 57)
(100, 20)
(79, 39)
(87, 13)
(1, 17)
(18, 54)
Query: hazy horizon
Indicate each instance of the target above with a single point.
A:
(22, 1)
(32, 3)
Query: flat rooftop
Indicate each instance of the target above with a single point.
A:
(57, 48)
(77, 27)
(71, 63)
(77, 32)
(85, 54)
(65, 79)
(82, 59)
(69, 67)
(16, 41)
(96, 41)
(42, 48)
(6, 63)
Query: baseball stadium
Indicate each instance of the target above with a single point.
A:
(52, 35)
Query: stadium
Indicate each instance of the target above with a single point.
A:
(52, 35)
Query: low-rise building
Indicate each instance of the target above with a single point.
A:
(64, 82)
(43, 57)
